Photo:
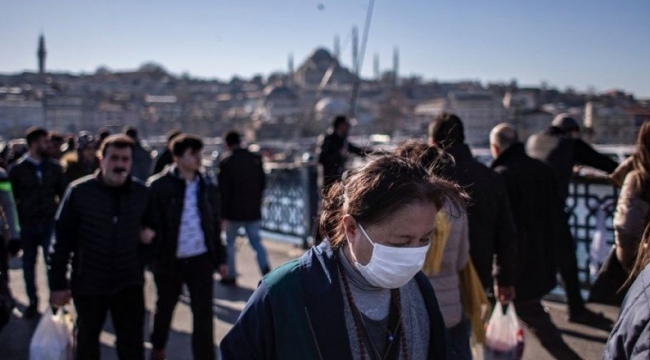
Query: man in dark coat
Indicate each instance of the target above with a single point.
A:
(536, 209)
(165, 158)
(38, 185)
(242, 182)
(142, 161)
(560, 147)
(491, 227)
(334, 149)
(99, 229)
(187, 247)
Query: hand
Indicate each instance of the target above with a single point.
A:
(504, 294)
(147, 235)
(223, 270)
(13, 247)
(60, 298)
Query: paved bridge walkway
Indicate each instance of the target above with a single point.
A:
(228, 302)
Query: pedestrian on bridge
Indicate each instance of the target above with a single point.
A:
(242, 182)
(359, 293)
(100, 222)
(535, 204)
(38, 185)
(187, 248)
(561, 147)
(492, 232)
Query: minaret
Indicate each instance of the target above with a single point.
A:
(337, 47)
(376, 66)
(396, 64)
(355, 51)
(41, 54)
(290, 65)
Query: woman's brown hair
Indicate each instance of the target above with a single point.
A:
(375, 191)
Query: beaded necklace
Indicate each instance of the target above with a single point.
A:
(359, 324)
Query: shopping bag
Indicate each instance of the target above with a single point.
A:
(53, 337)
(474, 299)
(504, 338)
(598, 249)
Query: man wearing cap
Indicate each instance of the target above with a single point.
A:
(560, 146)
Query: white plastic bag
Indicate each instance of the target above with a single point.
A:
(53, 337)
(599, 248)
(504, 338)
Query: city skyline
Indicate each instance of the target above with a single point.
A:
(583, 45)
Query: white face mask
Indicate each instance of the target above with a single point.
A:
(392, 267)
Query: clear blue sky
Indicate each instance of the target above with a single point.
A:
(602, 44)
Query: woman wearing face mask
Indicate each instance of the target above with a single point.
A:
(359, 294)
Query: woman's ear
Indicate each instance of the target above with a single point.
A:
(350, 228)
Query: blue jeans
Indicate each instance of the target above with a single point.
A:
(31, 237)
(253, 232)
(459, 336)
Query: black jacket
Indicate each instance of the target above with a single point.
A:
(166, 210)
(164, 159)
(37, 197)
(556, 148)
(330, 156)
(242, 181)
(536, 209)
(491, 227)
(100, 225)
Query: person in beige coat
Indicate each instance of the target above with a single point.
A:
(633, 206)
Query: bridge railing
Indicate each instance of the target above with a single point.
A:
(291, 204)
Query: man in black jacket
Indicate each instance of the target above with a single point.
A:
(334, 149)
(101, 222)
(242, 181)
(536, 209)
(165, 158)
(38, 185)
(491, 227)
(184, 209)
(560, 147)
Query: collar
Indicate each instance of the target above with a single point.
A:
(460, 152)
(100, 180)
(175, 172)
(32, 160)
(514, 151)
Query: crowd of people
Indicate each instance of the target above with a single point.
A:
(395, 240)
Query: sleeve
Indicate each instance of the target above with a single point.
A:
(463, 248)
(506, 243)
(328, 153)
(15, 183)
(262, 175)
(215, 200)
(629, 221)
(151, 218)
(61, 182)
(357, 150)
(223, 186)
(586, 155)
(9, 208)
(252, 336)
(64, 242)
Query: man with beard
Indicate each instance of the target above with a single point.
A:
(38, 185)
(100, 221)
